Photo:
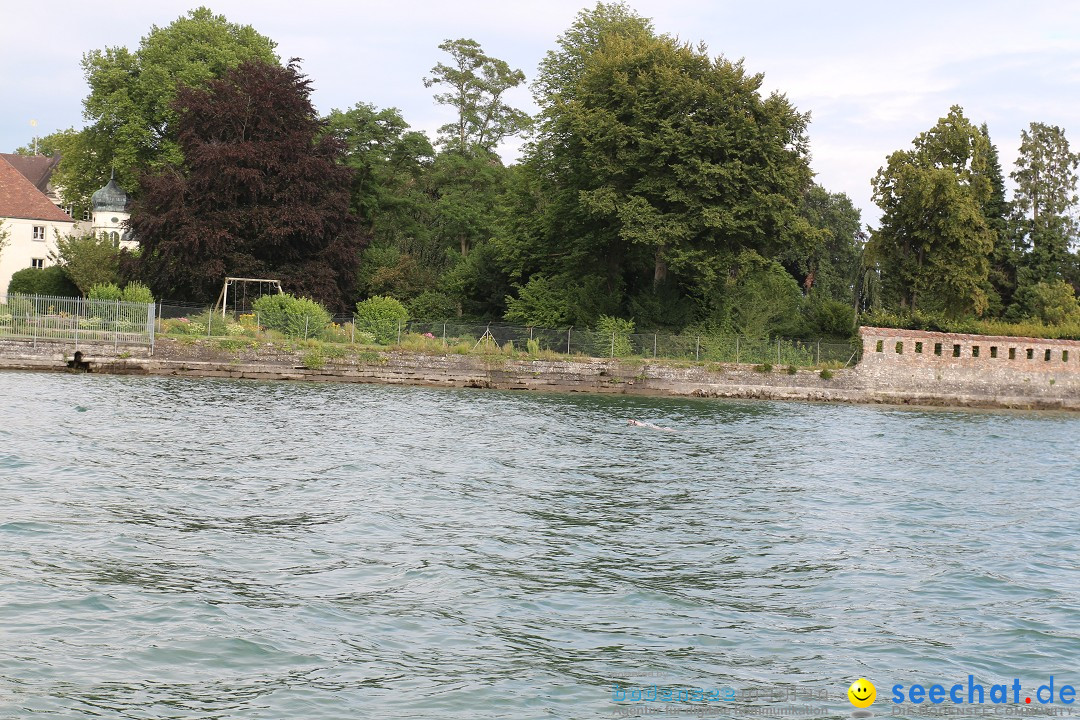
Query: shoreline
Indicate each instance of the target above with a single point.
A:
(859, 385)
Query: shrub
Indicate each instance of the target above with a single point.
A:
(612, 336)
(105, 291)
(826, 374)
(291, 316)
(792, 370)
(763, 368)
(1052, 302)
(48, 281)
(314, 360)
(136, 292)
(831, 317)
(533, 347)
(430, 305)
(382, 316)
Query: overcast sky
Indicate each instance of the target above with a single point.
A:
(872, 75)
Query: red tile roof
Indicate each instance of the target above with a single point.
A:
(20, 199)
(35, 168)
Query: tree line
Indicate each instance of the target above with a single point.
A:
(657, 184)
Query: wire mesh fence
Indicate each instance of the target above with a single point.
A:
(45, 318)
(454, 336)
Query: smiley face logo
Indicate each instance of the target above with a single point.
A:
(862, 693)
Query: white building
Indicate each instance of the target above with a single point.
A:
(31, 222)
(108, 214)
(31, 213)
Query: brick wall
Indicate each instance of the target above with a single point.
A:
(989, 353)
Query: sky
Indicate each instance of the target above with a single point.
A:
(872, 75)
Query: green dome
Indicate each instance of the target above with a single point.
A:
(110, 198)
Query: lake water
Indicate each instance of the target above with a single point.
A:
(203, 549)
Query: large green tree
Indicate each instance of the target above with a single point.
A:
(830, 267)
(476, 85)
(1045, 201)
(654, 168)
(1005, 258)
(88, 260)
(261, 192)
(131, 119)
(390, 163)
(934, 244)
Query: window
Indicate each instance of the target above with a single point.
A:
(899, 348)
(39, 232)
(1046, 355)
(937, 348)
(1064, 356)
(880, 346)
(974, 351)
(114, 236)
(37, 263)
(1012, 353)
(918, 347)
(85, 214)
(956, 351)
(1030, 354)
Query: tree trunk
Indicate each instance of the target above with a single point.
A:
(660, 271)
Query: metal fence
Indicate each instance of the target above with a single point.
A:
(79, 320)
(458, 337)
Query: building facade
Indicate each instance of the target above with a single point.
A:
(33, 215)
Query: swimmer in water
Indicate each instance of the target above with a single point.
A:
(638, 423)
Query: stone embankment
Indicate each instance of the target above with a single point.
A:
(898, 367)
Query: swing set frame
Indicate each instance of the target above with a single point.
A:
(223, 296)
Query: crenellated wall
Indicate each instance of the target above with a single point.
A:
(1001, 368)
(1001, 355)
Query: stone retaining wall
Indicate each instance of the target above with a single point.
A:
(888, 376)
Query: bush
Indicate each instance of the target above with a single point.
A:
(612, 337)
(382, 316)
(105, 291)
(826, 374)
(1052, 302)
(291, 316)
(831, 317)
(763, 368)
(431, 305)
(48, 281)
(314, 360)
(136, 292)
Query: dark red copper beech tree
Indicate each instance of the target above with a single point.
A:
(260, 194)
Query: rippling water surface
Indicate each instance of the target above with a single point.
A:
(203, 549)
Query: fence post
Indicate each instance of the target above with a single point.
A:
(78, 302)
(697, 348)
(352, 331)
(444, 334)
(151, 326)
(306, 322)
(777, 351)
(736, 349)
(399, 332)
(612, 343)
(817, 355)
(568, 339)
(258, 324)
(654, 346)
